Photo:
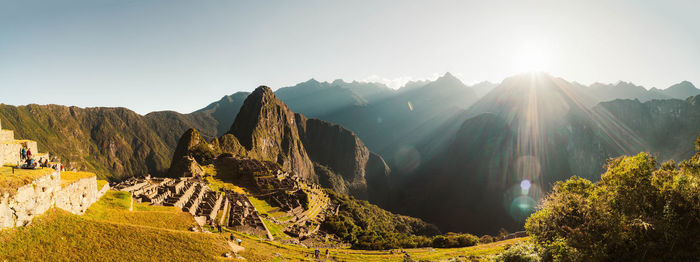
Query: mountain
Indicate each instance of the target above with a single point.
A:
(526, 134)
(321, 99)
(624, 90)
(342, 162)
(265, 129)
(681, 90)
(386, 120)
(222, 110)
(113, 142)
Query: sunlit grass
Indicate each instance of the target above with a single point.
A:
(101, 183)
(114, 207)
(216, 183)
(69, 177)
(258, 249)
(10, 181)
(60, 236)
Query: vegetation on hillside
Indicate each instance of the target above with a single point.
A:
(367, 226)
(636, 212)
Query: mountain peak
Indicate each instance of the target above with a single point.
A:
(265, 126)
(683, 85)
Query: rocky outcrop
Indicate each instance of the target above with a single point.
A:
(340, 156)
(266, 128)
(337, 148)
(191, 151)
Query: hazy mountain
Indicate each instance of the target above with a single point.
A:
(223, 111)
(626, 90)
(527, 133)
(265, 129)
(681, 90)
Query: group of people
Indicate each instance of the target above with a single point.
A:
(25, 153)
(29, 162)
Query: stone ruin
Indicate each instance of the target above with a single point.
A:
(19, 207)
(190, 195)
(243, 216)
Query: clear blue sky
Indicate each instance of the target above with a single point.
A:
(181, 55)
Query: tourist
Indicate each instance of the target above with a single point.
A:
(23, 153)
(29, 153)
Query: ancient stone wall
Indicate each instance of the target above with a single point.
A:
(33, 199)
(9, 153)
(7, 135)
(78, 196)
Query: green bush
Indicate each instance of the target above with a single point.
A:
(636, 212)
(521, 252)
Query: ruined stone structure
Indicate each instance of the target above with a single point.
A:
(243, 217)
(189, 194)
(18, 208)
(10, 147)
(20, 205)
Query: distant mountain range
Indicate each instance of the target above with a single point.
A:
(450, 148)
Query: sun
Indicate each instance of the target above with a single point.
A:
(531, 58)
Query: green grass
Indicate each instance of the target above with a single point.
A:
(261, 205)
(101, 183)
(114, 207)
(275, 229)
(217, 183)
(9, 181)
(258, 249)
(69, 177)
(60, 236)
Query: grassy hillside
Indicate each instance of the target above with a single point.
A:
(110, 232)
(59, 235)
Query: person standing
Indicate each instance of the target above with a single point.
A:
(29, 153)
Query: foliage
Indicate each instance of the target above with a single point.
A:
(522, 252)
(455, 240)
(634, 213)
(367, 226)
(486, 239)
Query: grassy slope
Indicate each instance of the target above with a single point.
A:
(68, 177)
(59, 235)
(114, 207)
(109, 232)
(262, 250)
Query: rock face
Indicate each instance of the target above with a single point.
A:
(192, 150)
(266, 128)
(343, 153)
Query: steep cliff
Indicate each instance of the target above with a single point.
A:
(266, 128)
(344, 154)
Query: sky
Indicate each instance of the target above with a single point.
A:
(182, 55)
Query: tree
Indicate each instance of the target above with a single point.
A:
(636, 212)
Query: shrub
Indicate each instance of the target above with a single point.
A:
(634, 213)
(521, 252)
(485, 239)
